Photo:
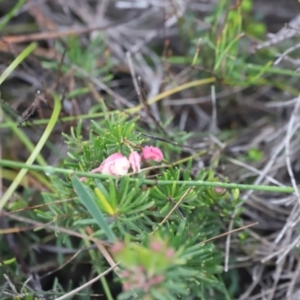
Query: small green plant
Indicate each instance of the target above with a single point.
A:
(94, 60)
(139, 218)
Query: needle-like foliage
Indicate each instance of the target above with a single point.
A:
(157, 233)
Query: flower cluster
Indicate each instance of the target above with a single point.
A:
(138, 279)
(148, 267)
(118, 165)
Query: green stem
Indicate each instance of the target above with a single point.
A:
(49, 169)
(17, 61)
(27, 142)
(11, 13)
(14, 185)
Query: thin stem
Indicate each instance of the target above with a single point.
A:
(87, 284)
(17, 61)
(53, 170)
(10, 14)
(14, 185)
(27, 142)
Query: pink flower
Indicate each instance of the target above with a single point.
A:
(135, 161)
(115, 164)
(111, 158)
(153, 153)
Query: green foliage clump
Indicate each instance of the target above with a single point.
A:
(157, 231)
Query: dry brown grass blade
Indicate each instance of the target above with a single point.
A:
(175, 206)
(103, 250)
(38, 206)
(41, 19)
(53, 227)
(49, 35)
(229, 232)
(40, 52)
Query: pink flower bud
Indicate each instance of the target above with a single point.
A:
(219, 190)
(156, 245)
(169, 253)
(153, 153)
(117, 247)
(156, 280)
(135, 161)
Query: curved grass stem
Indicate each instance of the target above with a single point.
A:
(14, 185)
(17, 61)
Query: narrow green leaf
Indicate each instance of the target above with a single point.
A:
(4, 20)
(19, 59)
(86, 198)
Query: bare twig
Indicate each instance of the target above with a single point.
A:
(214, 124)
(290, 131)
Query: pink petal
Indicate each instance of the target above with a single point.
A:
(121, 166)
(107, 168)
(115, 164)
(135, 161)
(111, 158)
